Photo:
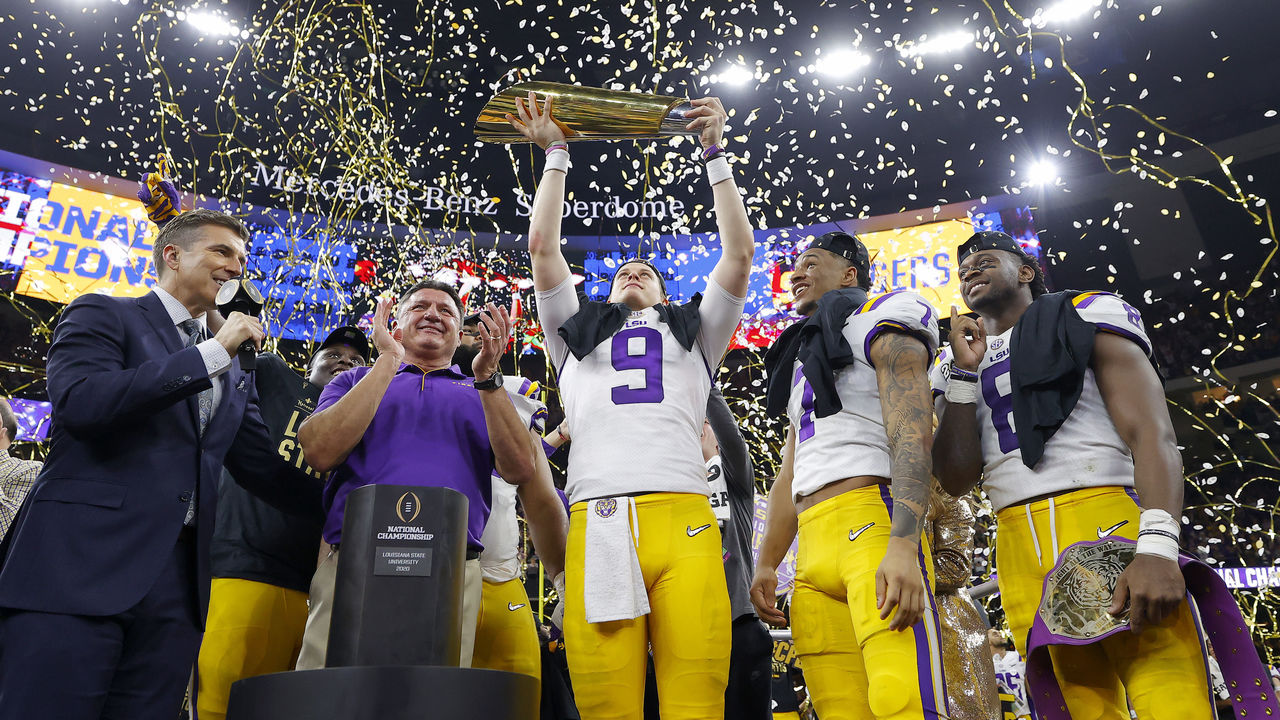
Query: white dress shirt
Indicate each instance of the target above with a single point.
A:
(216, 358)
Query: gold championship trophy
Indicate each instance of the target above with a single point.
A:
(586, 113)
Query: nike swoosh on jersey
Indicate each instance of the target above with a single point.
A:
(1103, 533)
(691, 531)
(853, 534)
(514, 608)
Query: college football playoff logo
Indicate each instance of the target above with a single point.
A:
(407, 507)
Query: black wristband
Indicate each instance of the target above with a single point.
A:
(963, 375)
(1158, 531)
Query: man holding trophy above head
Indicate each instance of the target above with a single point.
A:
(644, 559)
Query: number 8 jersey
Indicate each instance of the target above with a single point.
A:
(636, 403)
(1087, 451)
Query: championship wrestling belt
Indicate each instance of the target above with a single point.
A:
(1078, 591)
(1073, 611)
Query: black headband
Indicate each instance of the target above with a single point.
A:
(989, 240)
(846, 246)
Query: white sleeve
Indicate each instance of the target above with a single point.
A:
(216, 358)
(555, 306)
(940, 372)
(720, 312)
(898, 311)
(524, 395)
(1109, 313)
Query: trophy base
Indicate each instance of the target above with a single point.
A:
(386, 692)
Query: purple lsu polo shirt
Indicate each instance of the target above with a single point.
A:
(429, 430)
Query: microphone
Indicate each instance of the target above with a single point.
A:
(241, 296)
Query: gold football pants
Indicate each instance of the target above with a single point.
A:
(688, 625)
(253, 629)
(1095, 678)
(506, 634)
(854, 665)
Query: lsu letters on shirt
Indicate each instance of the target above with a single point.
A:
(636, 403)
(500, 559)
(1085, 452)
(853, 441)
(719, 488)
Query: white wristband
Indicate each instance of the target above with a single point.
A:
(1158, 534)
(718, 170)
(558, 583)
(1159, 545)
(557, 159)
(1159, 519)
(960, 391)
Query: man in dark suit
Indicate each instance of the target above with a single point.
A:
(105, 587)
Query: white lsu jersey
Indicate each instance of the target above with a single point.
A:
(500, 559)
(719, 487)
(1087, 451)
(853, 441)
(1010, 680)
(636, 403)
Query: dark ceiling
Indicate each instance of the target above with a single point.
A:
(386, 92)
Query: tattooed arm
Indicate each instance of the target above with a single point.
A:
(902, 373)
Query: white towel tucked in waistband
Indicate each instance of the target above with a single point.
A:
(613, 586)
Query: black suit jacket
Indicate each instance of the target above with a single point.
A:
(102, 519)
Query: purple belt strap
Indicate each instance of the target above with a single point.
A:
(1222, 623)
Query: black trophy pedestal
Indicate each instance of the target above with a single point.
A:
(386, 692)
(396, 632)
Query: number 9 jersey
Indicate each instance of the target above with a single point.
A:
(1085, 452)
(636, 403)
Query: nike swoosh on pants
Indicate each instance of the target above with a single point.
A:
(1103, 533)
(853, 534)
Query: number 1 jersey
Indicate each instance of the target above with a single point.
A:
(1087, 451)
(636, 403)
(853, 441)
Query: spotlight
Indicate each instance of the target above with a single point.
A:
(733, 75)
(840, 63)
(1042, 173)
(210, 24)
(1062, 11)
(946, 42)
